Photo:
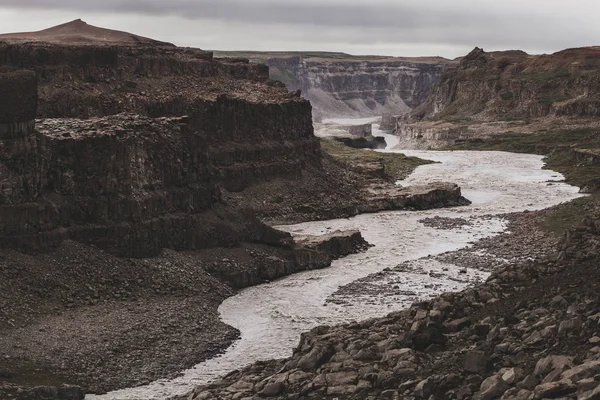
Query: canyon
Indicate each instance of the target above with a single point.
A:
(173, 223)
(136, 178)
(339, 85)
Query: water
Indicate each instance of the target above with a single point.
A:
(272, 316)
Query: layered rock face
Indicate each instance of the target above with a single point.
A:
(135, 183)
(515, 85)
(356, 87)
(495, 92)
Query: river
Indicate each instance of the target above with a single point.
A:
(272, 316)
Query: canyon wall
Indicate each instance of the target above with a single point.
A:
(135, 144)
(251, 130)
(358, 87)
(513, 85)
(509, 91)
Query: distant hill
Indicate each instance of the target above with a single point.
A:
(79, 32)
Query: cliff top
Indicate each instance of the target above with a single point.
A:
(262, 56)
(114, 125)
(79, 32)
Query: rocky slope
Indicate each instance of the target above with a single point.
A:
(489, 93)
(530, 332)
(516, 85)
(340, 85)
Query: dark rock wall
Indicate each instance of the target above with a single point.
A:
(136, 183)
(514, 85)
(18, 89)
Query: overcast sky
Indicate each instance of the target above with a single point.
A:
(448, 28)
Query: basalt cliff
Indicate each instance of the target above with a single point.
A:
(135, 179)
(495, 92)
(341, 85)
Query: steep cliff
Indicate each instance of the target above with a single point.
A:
(132, 183)
(493, 93)
(516, 85)
(341, 85)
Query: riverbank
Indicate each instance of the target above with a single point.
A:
(528, 332)
(271, 317)
(133, 320)
(350, 182)
(104, 322)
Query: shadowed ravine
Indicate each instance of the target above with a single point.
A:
(272, 316)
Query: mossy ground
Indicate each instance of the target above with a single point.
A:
(396, 166)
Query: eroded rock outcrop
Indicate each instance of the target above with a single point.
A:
(489, 93)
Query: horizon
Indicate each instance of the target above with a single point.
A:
(283, 51)
(382, 28)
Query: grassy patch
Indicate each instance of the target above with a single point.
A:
(395, 166)
(507, 96)
(567, 216)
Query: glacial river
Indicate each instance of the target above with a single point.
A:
(272, 316)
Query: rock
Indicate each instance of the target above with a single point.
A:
(458, 324)
(492, 388)
(547, 364)
(570, 326)
(553, 376)
(533, 339)
(271, 389)
(341, 390)
(482, 329)
(554, 389)
(476, 362)
(341, 378)
(590, 395)
(585, 370)
(393, 356)
(430, 334)
(528, 383)
(316, 357)
(241, 386)
(425, 388)
(511, 376)
(389, 394)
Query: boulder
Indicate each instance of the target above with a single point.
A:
(476, 362)
(492, 388)
(550, 363)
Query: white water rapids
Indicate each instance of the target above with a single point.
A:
(272, 316)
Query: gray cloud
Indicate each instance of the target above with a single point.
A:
(325, 13)
(349, 25)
